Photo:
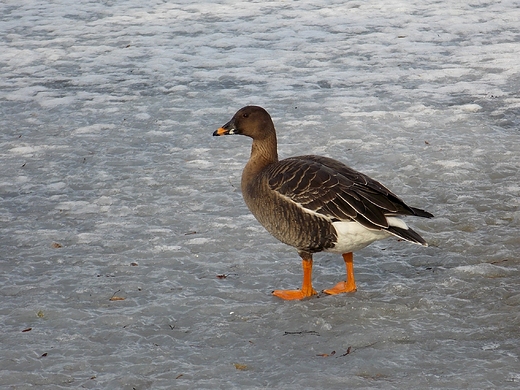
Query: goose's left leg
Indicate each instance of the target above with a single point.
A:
(350, 284)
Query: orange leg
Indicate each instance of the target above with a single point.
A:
(350, 284)
(306, 290)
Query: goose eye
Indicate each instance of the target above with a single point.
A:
(245, 115)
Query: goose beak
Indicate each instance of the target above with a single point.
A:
(228, 128)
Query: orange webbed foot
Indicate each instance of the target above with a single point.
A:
(341, 287)
(307, 289)
(291, 295)
(350, 284)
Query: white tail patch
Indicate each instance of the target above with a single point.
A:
(397, 222)
(353, 236)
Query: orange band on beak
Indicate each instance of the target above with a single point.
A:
(221, 131)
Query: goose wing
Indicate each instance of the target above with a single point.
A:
(325, 186)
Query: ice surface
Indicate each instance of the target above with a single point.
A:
(112, 187)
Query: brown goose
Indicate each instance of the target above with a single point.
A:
(315, 203)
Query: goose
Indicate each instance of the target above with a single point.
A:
(315, 203)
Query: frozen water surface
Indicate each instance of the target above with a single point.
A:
(112, 186)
